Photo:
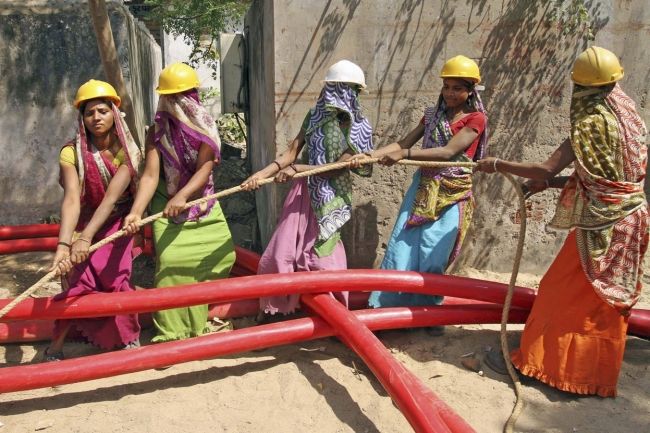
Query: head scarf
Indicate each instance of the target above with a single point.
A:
(95, 170)
(440, 188)
(181, 125)
(604, 198)
(326, 142)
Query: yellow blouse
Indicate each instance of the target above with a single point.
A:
(68, 156)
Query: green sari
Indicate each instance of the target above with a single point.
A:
(189, 252)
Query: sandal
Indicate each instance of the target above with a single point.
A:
(55, 356)
(494, 360)
(132, 345)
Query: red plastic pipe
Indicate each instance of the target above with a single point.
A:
(26, 331)
(256, 286)
(12, 246)
(29, 231)
(247, 259)
(23, 331)
(252, 287)
(32, 376)
(422, 408)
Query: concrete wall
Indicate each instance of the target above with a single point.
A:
(525, 59)
(47, 50)
(259, 31)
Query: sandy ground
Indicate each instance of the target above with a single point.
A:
(318, 386)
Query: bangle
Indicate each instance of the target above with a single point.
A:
(408, 153)
(65, 244)
(292, 165)
(278, 164)
(83, 239)
(495, 164)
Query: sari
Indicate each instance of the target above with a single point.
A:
(437, 209)
(574, 338)
(308, 236)
(107, 270)
(196, 245)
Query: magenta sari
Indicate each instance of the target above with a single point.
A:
(107, 270)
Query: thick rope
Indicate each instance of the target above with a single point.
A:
(509, 426)
(505, 350)
(120, 233)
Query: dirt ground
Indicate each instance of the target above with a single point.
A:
(318, 386)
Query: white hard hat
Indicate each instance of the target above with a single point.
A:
(344, 71)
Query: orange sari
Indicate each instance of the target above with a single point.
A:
(572, 341)
(574, 338)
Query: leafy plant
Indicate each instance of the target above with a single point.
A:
(572, 17)
(199, 22)
(231, 129)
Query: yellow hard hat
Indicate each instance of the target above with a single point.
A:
(595, 67)
(94, 89)
(461, 67)
(177, 77)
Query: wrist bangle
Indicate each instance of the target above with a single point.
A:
(408, 153)
(278, 164)
(65, 244)
(495, 164)
(292, 165)
(84, 239)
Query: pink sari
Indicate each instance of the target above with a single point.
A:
(291, 249)
(108, 269)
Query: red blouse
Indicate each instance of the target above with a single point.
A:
(475, 121)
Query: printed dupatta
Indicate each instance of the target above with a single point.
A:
(96, 171)
(331, 197)
(604, 198)
(182, 124)
(440, 188)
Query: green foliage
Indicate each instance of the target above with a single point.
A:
(231, 129)
(573, 17)
(199, 22)
(209, 93)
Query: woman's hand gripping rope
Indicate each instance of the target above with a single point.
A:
(133, 223)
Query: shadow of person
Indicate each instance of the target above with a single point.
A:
(361, 237)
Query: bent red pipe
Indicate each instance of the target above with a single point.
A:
(422, 408)
(33, 376)
(256, 286)
(23, 331)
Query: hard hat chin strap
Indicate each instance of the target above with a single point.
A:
(587, 92)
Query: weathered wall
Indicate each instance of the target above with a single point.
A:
(259, 31)
(525, 61)
(47, 50)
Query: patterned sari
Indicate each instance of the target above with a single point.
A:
(435, 214)
(196, 245)
(331, 197)
(307, 237)
(604, 198)
(108, 269)
(574, 338)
